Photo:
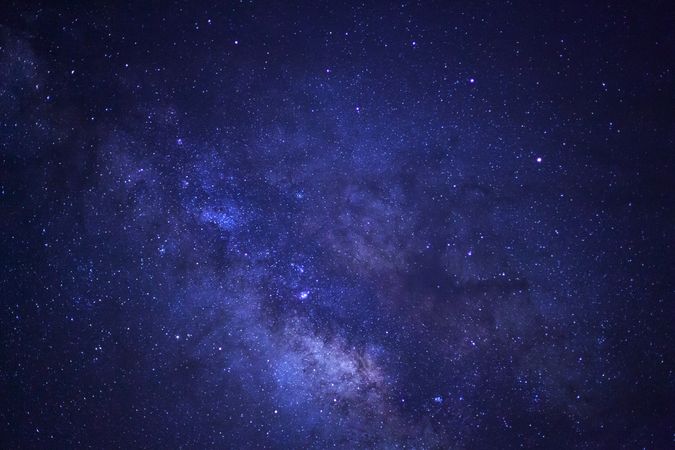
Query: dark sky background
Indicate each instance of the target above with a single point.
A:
(291, 225)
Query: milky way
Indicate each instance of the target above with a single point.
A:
(321, 225)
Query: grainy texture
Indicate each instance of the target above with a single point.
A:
(313, 225)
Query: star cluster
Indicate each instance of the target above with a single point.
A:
(329, 225)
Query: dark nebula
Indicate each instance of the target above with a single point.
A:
(391, 225)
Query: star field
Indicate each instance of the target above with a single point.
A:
(417, 225)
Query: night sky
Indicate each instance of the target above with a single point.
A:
(311, 225)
